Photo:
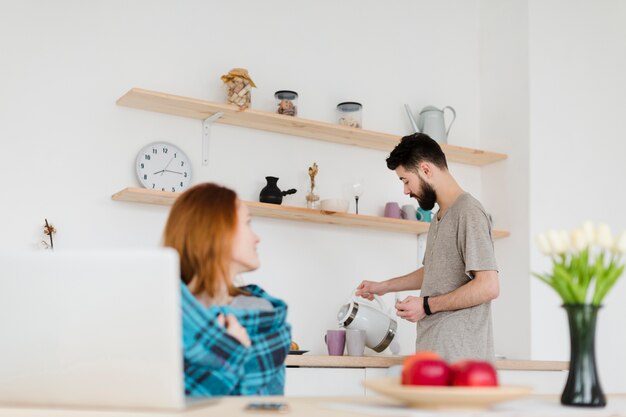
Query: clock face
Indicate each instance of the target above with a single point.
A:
(163, 166)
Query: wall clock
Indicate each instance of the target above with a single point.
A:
(163, 166)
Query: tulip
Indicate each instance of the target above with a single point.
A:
(579, 239)
(559, 246)
(581, 274)
(604, 238)
(544, 245)
(620, 244)
(590, 231)
(565, 239)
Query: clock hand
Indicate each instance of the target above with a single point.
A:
(174, 172)
(159, 172)
(168, 164)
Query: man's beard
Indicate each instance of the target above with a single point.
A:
(427, 198)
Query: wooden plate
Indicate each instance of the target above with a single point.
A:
(445, 397)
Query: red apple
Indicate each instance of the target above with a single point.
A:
(426, 372)
(470, 373)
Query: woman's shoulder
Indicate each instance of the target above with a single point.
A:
(256, 291)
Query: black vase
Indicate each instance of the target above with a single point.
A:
(271, 193)
(583, 386)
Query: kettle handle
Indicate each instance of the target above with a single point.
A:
(453, 118)
(378, 299)
(381, 303)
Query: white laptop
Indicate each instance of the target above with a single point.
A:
(91, 328)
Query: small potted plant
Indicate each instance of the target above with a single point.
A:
(586, 263)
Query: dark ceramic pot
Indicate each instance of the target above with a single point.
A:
(271, 193)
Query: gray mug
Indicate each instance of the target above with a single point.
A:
(355, 342)
(408, 212)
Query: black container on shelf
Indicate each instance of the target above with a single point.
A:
(272, 194)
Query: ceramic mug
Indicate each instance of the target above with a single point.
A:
(424, 215)
(355, 342)
(392, 209)
(408, 212)
(335, 341)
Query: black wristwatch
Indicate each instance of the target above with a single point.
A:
(427, 307)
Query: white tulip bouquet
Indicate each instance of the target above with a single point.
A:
(586, 262)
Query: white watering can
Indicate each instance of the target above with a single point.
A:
(380, 328)
(431, 122)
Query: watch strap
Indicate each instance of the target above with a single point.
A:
(426, 306)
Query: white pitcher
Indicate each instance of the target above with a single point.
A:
(431, 122)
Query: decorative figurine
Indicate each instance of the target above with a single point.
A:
(312, 199)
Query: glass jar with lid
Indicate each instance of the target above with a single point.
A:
(349, 113)
(286, 102)
(238, 86)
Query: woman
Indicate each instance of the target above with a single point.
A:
(235, 339)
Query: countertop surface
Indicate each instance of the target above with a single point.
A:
(534, 405)
(385, 361)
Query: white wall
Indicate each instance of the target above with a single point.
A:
(68, 147)
(504, 128)
(577, 105)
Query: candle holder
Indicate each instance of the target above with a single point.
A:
(357, 191)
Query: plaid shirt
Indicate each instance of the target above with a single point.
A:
(217, 364)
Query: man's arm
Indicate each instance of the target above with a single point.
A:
(483, 288)
(410, 281)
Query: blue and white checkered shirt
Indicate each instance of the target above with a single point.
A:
(217, 364)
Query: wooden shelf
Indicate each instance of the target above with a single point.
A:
(201, 109)
(165, 198)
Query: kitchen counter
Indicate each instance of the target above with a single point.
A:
(532, 406)
(385, 361)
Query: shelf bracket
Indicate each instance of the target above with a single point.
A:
(206, 134)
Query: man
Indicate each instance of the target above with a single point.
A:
(459, 277)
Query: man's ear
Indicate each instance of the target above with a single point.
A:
(426, 169)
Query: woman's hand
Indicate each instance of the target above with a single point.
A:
(234, 329)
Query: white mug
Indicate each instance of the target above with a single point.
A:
(355, 342)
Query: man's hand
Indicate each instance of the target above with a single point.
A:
(411, 309)
(367, 289)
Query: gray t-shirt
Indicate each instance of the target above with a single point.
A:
(457, 244)
(247, 302)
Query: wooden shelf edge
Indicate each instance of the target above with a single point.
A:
(165, 198)
(201, 109)
(331, 217)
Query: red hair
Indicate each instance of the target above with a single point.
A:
(201, 227)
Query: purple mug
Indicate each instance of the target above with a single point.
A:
(392, 210)
(335, 341)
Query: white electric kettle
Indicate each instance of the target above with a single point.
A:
(431, 122)
(380, 328)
